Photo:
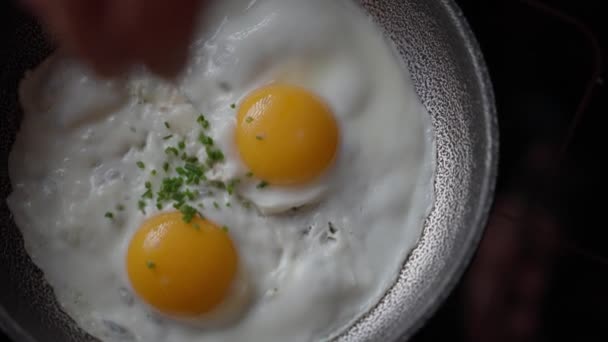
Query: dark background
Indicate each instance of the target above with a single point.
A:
(541, 272)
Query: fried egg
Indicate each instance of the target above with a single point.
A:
(271, 192)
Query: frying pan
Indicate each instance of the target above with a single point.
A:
(450, 77)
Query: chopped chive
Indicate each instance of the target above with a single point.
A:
(153, 172)
(216, 205)
(142, 206)
(249, 119)
(170, 189)
(259, 137)
(249, 174)
(167, 125)
(214, 155)
(201, 205)
(172, 150)
(202, 121)
(231, 185)
(120, 207)
(245, 203)
(167, 137)
(150, 264)
(332, 229)
(141, 164)
(228, 204)
(225, 228)
(205, 139)
(192, 173)
(262, 185)
(191, 195)
(166, 166)
(148, 185)
(217, 184)
(233, 105)
(188, 213)
(148, 194)
(109, 215)
(181, 145)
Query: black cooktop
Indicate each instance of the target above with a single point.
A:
(541, 272)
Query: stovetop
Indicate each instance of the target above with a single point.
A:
(541, 271)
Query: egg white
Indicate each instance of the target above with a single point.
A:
(310, 272)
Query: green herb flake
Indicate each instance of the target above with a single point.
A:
(205, 139)
(172, 150)
(120, 207)
(109, 215)
(225, 229)
(249, 119)
(231, 185)
(191, 195)
(193, 173)
(148, 194)
(181, 145)
(214, 156)
(245, 203)
(249, 174)
(150, 264)
(332, 228)
(188, 213)
(259, 137)
(153, 173)
(142, 206)
(141, 164)
(216, 205)
(228, 204)
(166, 166)
(170, 189)
(202, 121)
(217, 184)
(233, 105)
(197, 226)
(167, 125)
(167, 137)
(262, 185)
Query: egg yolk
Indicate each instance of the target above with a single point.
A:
(179, 268)
(286, 135)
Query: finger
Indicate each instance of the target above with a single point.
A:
(92, 38)
(79, 27)
(156, 32)
(173, 40)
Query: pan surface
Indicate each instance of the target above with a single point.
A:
(450, 77)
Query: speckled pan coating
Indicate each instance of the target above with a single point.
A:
(450, 77)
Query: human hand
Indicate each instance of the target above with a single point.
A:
(112, 35)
